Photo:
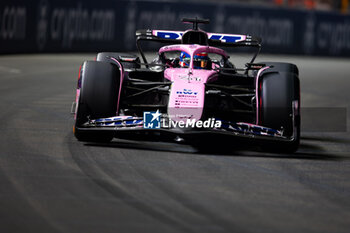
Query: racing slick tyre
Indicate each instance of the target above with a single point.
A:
(279, 104)
(128, 61)
(98, 98)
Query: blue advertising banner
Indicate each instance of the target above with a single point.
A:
(87, 26)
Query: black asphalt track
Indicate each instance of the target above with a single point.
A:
(50, 182)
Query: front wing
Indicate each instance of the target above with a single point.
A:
(128, 124)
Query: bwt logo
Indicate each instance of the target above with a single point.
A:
(228, 38)
(187, 92)
(151, 120)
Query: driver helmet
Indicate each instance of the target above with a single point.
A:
(200, 60)
(185, 60)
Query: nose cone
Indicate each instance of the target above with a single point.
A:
(187, 93)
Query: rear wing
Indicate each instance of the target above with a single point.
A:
(213, 39)
(197, 37)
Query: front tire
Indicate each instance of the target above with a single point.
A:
(98, 98)
(279, 92)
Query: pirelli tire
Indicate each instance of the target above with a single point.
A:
(128, 61)
(279, 96)
(99, 91)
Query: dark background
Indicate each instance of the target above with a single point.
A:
(84, 26)
(52, 183)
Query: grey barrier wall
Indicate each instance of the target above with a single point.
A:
(88, 26)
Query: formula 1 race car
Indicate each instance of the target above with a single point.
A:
(190, 89)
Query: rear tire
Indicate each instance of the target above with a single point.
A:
(98, 98)
(122, 58)
(279, 90)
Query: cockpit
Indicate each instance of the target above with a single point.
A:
(192, 56)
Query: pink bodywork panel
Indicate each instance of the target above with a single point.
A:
(186, 100)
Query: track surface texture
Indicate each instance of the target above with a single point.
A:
(50, 182)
